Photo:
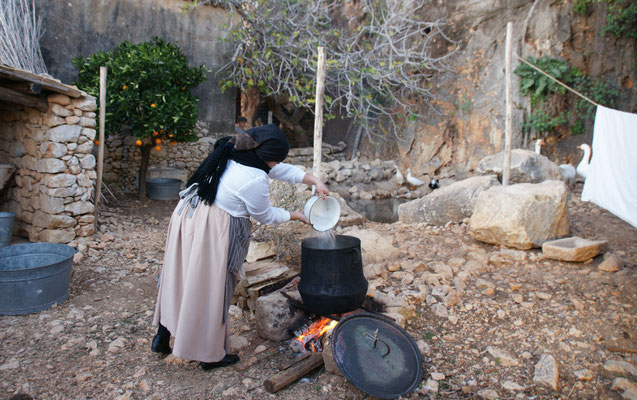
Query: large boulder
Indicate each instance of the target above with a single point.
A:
(450, 203)
(374, 246)
(521, 216)
(274, 316)
(526, 167)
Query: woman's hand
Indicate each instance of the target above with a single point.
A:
(321, 189)
(298, 216)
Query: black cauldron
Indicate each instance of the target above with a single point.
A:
(332, 280)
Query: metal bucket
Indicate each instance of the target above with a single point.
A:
(163, 188)
(7, 219)
(34, 276)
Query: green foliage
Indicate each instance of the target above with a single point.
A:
(544, 91)
(148, 90)
(621, 17)
(541, 121)
(538, 85)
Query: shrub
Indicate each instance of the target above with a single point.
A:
(147, 94)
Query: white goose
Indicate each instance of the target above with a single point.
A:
(400, 179)
(584, 166)
(538, 146)
(413, 180)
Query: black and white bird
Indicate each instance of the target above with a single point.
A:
(434, 183)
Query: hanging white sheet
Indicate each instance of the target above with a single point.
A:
(612, 179)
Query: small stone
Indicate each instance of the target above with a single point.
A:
(10, 365)
(502, 357)
(623, 384)
(260, 349)
(512, 386)
(83, 376)
(488, 394)
(437, 376)
(116, 345)
(238, 343)
(611, 263)
(144, 385)
(424, 347)
(583, 374)
(546, 371)
(621, 367)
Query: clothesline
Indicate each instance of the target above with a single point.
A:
(563, 84)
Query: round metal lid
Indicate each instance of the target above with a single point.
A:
(376, 355)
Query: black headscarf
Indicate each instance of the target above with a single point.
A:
(251, 148)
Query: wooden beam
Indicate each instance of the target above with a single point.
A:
(24, 87)
(47, 83)
(11, 96)
(294, 373)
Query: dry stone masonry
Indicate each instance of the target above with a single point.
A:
(52, 188)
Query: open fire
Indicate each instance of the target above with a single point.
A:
(310, 339)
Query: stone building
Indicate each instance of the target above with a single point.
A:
(47, 130)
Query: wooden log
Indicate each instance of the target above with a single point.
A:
(24, 87)
(47, 83)
(295, 361)
(11, 96)
(294, 373)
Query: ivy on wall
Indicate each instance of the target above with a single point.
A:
(552, 107)
(621, 17)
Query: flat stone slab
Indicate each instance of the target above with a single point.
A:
(573, 248)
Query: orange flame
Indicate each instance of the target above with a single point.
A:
(315, 331)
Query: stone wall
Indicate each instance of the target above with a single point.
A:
(52, 188)
(122, 158)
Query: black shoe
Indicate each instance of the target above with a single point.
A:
(226, 361)
(161, 341)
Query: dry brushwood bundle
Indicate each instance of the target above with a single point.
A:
(20, 33)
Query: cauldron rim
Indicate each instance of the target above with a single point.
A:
(340, 242)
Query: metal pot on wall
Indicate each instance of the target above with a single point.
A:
(332, 280)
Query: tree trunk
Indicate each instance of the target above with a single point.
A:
(143, 167)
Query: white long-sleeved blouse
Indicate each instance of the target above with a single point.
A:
(245, 191)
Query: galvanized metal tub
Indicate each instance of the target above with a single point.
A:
(163, 188)
(34, 276)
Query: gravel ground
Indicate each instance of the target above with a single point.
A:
(484, 317)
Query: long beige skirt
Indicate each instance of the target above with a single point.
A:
(192, 285)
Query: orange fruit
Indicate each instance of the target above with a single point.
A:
(138, 142)
(170, 135)
(124, 87)
(158, 148)
(97, 142)
(153, 105)
(183, 88)
(155, 133)
(157, 140)
(173, 143)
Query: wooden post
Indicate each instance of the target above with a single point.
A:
(508, 122)
(318, 113)
(100, 151)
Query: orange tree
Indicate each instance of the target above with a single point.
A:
(148, 95)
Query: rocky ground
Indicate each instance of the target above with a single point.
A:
(490, 322)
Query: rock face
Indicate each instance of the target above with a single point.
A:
(521, 216)
(375, 248)
(526, 167)
(451, 203)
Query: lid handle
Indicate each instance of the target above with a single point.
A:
(375, 339)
